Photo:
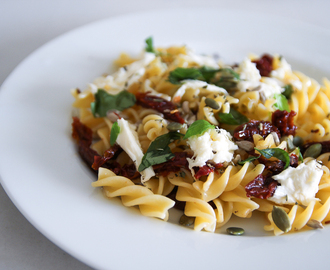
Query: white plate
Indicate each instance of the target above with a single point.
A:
(45, 178)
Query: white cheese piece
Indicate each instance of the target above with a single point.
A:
(128, 140)
(249, 75)
(270, 86)
(124, 77)
(282, 70)
(151, 91)
(252, 80)
(248, 71)
(196, 86)
(298, 184)
(201, 60)
(214, 145)
(284, 73)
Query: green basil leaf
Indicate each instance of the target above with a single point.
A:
(288, 90)
(155, 157)
(198, 128)
(224, 77)
(208, 73)
(277, 153)
(158, 151)
(105, 102)
(249, 159)
(180, 74)
(150, 46)
(281, 103)
(161, 142)
(232, 118)
(300, 157)
(115, 130)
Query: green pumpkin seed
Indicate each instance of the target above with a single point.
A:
(235, 231)
(281, 219)
(289, 142)
(186, 221)
(313, 151)
(298, 141)
(315, 224)
(174, 126)
(212, 103)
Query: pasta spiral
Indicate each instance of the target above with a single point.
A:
(150, 204)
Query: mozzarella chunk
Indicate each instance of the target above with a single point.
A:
(214, 145)
(249, 75)
(270, 87)
(284, 73)
(128, 140)
(201, 60)
(252, 80)
(196, 86)
(124, 77)
(248, 71)
(298, 184)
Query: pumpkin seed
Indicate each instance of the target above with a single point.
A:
(281, 219)
(276, 138)
(186, 221)
(313, 151)
(289, 142)
(212, 103)
(315, 224)
(298, 141)
(235, 231)
(245, 145)
(174, 126)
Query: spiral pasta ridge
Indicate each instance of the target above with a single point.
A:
(150, 204)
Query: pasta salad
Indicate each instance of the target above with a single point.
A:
(173, 128)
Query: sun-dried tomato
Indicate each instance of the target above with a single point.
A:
(108, 154)
(283, 120)
(247, 130)
(261, 187)
(81, 132)
(277, 166)
(294, 160)
(127, 170)
(167, 108)
(206, 169)
(173, 165)
(264, 65)
(84, 136)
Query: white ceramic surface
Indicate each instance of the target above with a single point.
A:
(44, 177)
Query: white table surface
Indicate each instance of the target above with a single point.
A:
(25, 25)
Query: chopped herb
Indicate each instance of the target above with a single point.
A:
(232, 118)
(300, 157)
(159, 151)
(180, 74)
(150, 46)
(208, 73)
(249, 159)
(288, 90)
(115, 130)
(224, 77)
(198, 128)
(105, 102)
(277, 153)
(281, 103)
